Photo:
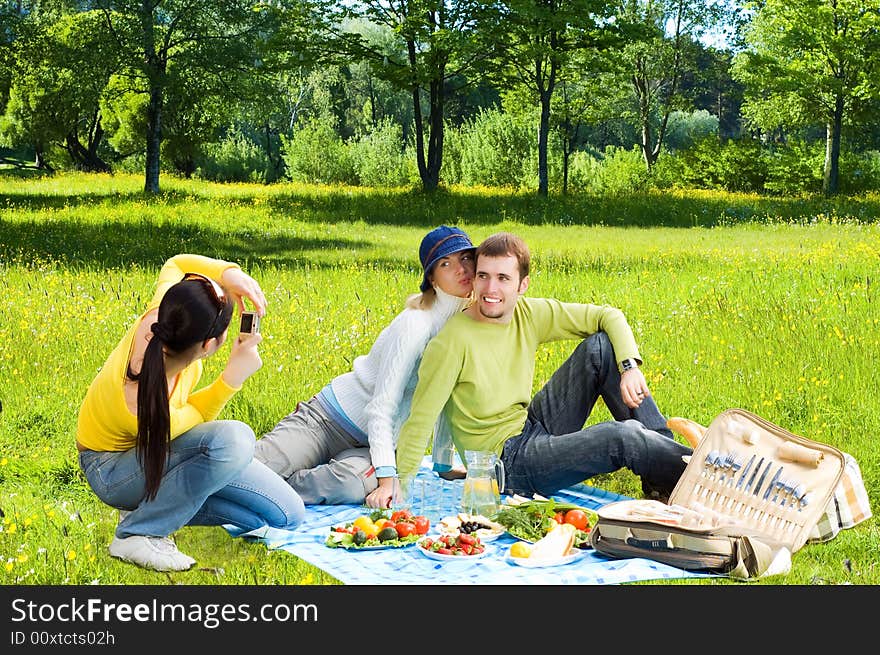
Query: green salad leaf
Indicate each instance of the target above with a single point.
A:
(529, 519)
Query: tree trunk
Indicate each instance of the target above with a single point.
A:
(40, 161)
(543, 137)
(417, 115)
(640, 84)
(831, 177)
(84, 159)
(155, 71)
(435, 138)
(154, 140)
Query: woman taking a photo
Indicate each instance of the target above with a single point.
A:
(151, 445)
(338, 447)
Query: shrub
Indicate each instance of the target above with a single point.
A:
(236, 158)
(795, 168)
(687, 128)
(860, 173)
(617, 172)
(316, 154)
(737, 165)
(499, 149)
(380, 158)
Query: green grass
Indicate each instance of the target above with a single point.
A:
(736, 301)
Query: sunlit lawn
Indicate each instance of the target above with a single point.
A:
(736, 301)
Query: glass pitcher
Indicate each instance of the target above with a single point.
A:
(483, 484)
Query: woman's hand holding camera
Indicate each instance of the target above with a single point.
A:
(240, 285)
(244, 359)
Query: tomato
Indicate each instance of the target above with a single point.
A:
(444, 551)
(422, 524)
(559, 517)
(578, 518)
(404, 529)
(466, 539)
(401, 515)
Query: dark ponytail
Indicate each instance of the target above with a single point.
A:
(190, 313)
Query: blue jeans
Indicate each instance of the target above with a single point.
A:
(555, 450)
(211, 478)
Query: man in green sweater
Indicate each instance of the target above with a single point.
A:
(481, 366)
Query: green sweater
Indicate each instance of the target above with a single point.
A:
(485, 372)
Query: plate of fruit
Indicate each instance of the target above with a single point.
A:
(379, 530)
(448, 547)
(486, 529)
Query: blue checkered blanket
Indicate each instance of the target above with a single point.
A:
(408, 566)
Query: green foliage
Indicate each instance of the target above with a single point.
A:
(61, 68)
(860, 173)
(795, 168)
(746, 165)
(735, 165)
(316, 154)
(235, 158)
(380, 158)
(687, 128)
(617, 172)
(497, 149)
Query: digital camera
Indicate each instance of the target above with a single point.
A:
(250, 323)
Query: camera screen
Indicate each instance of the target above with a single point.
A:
(247, 322)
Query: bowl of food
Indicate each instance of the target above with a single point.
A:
(555, 549)
(531, 520)
(447, 547)
(476, 524)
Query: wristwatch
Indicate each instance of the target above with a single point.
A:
(628, 364)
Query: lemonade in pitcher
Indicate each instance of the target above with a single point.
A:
(481, 494)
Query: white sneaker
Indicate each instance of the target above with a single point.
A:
(157, 553)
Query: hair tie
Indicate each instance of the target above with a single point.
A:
(160, 331)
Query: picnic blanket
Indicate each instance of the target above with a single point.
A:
(407, 566)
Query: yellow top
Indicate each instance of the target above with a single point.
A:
(105, 422)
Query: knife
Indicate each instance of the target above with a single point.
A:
(754, 475)
(745, 472)
(770, 487)
(763, 475)
(772, 482)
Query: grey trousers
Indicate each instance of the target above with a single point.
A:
(320, 460)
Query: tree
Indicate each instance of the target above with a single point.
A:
(62, 65)
(714, 90)
(535, 41)
(809, 60)
(219, 41)
(658, 59)
(435, 43)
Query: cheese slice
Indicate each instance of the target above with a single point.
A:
(555, 544)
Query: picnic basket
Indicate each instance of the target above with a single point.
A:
(750, 489)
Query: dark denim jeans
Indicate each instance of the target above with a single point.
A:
(555, 450)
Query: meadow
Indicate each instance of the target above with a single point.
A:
(736, 301)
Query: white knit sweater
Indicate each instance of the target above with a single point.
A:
(377, 392)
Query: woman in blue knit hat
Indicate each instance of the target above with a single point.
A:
(339, 447)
